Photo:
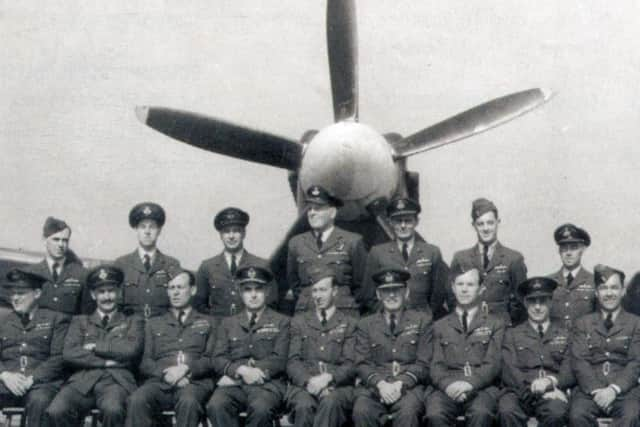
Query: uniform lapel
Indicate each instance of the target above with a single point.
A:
(581, 278)
(136, 262)
(310, 241)
(454, 322)
(598, 324)
(158, 263)
(496, 259)
(42, 268)
(334, 238)
(619, 323)
(477, 321)
(395, 253)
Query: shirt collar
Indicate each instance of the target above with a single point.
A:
(387, 316)
(325, 234)
(471, 312)
(409, 243)
(176, 311)
(491, 248)
(151, 253)
(545, 325)
(573, 272)
(258, 314)
(330, 311)
(239, 255)
(51, 261)
(614, 314)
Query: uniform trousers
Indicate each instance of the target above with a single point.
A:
(368, 410)
(479, 410)
(35, 402)
(261, 403)
(625, 409)
(331, 410)
(70, 407)
(549, 412)
(146, 404)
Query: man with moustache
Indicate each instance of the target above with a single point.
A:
(605, 357)
(147, 270)
(535, 370)
(501, 269)
(218, 294)
(466, 360)
(102, 348)
(321, 358)
(64, 290)
(31, 370)
(327, 244)
(575, 295)
(393, 350)
(428, 282)
(251, 357)
(176, 361)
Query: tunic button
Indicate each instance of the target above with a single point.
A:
(607, 354)
(55, 299)
(148, 291)
(233, 292)
(321, 348)
(250, 345)
(319, 255)
(566, 304)
(180, 340)
(55, 286)
(393, 351)
(322, 334)
(567, 317)
(24, 344)
(608, 339)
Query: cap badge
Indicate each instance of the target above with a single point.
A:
(388, 278)
(146, 211)
(566, 232)
(315, 191)
(537, 285)
(400, 204)
(251, 273)
(103, 274)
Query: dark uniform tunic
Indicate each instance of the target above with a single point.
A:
(316, 349)
(167, 343)
(429, 274)
(218, 293)
(35, 350)
(402, 355)
(343, 251)
(68, 294)
(506, 270)
(474, 357)
(600, 358)
(569, 303)
(526, 357)
(92, 384)
(143, 292)
(265, 346)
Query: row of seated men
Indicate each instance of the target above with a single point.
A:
(147, 270)
(324, 366)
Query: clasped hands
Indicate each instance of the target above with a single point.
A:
(16, 382)
(390, 393)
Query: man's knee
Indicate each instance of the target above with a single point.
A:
(138, 400)
(58, 410)
(363, 410)
(112, 408)
(39, 399)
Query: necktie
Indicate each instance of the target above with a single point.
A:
(405, 252)
(569, 279)
(252, 321)
(24, 319)
(54, 272)
(319, 240)
(485, 256)
(608, 322)
(323, 314)
(465, 319)
(181, 314)
(147, 262)
(105, 321)
(233, 267)
(392, 322)
(540, 330)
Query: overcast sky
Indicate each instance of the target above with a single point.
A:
(71, 146)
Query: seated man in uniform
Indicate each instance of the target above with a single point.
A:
(605, 357)
(501, 269)
(575, 295)
(218, 294)
(321, 358)
(393, 350)
(326, 244)
(429, 273)
(147, 270)
(250, 356)
(64, 289)
(535, 362)
(31, 370)
(102, 349)
(176, 361)
(466, 363)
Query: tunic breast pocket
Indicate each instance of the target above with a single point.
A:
(335, 344)
(165, 342)
(263, 345)
(478, 348)
(130, 293)
(237, 346)
(526, 357)
(217, 294)
(451, 356)
(377, 353)
(70, 296)
(409, 349)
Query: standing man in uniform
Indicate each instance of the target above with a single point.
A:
(64, 290)
(102, 348)
(176, 361)
(31, 370)
(393, 350)
(535, 369)
(605, 357)
(328, 245)
(575, 295)
(218, 294)
(251, 357)
(147, 270)
(321, 358)
(466, 363)
(429, 273)
(501, 269)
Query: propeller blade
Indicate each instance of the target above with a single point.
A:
(471, 122)
(222, 137)
(343, 58)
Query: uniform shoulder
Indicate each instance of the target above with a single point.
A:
(584, 320)
(382, 247)
(426, 246)
(495, 320)
(256, 260)
(463, 254)
(298, 238)
(440, 324)
(366, 321)
(280, 318)
(171, 260)
(123, 259)
(347, 235)
(419, 316)
(210, 261)
(53, 315)
(511, 253)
